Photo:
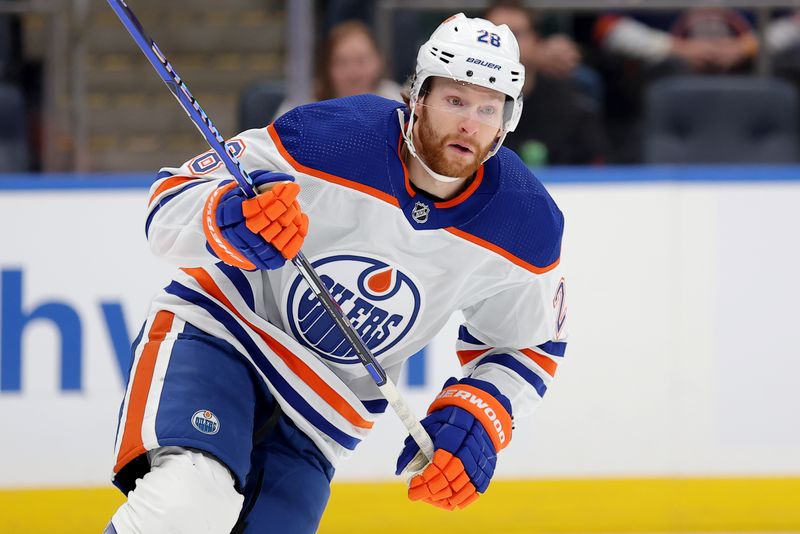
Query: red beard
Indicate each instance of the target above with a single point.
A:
(433, 150)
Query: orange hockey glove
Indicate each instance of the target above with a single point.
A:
(256, 233)
(276, 216)
(469, 423)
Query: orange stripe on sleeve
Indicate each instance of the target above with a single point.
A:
(132, 445)
(377, 193)
(298, 367)
(506, 254)
(542, 361)
(169, 183)
(466, 356)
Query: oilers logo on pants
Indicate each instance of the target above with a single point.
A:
(379, 298)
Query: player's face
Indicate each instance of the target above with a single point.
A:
(457, 126)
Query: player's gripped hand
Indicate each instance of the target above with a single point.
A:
(260, 232)
(469, 423)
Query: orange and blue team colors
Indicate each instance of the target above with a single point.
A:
(276, 216)
(259, 232)
(470, 423)
(397, 263)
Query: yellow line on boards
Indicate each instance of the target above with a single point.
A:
(509, 507)
(596, 505)
(57, 511)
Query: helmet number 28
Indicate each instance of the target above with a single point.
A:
(486, 37)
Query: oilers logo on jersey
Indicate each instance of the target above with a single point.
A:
(379, 298)
(388, 283)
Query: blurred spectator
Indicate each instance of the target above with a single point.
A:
(556, 56)
(349, 63)
(697, 40)
(339, 11)
(636, 48)
(782, 40)
(559, 126)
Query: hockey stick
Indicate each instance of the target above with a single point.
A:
(203, 123)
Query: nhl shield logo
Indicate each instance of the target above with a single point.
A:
(420, 212)
(380, 299)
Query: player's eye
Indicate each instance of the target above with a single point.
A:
(488, 111)
(453, 100)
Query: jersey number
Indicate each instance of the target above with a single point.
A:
(486, 37)
(560, 304)
(209, 161)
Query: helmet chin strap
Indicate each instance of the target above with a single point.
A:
(408, 136)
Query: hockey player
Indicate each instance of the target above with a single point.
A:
(243, 395)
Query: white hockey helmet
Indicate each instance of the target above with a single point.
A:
(473, 51)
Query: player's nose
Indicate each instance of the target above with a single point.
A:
(468, 125)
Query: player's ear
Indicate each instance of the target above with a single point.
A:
(420, 109)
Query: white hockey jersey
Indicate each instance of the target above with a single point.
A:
(398, 264)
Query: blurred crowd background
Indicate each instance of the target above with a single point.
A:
(608, 83)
